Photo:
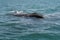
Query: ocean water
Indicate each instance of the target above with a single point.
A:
(18, 28)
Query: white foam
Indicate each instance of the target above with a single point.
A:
(18, 12)
(57, 14)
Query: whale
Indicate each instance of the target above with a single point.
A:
(35, 15)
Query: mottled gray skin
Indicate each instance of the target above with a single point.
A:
(29, 15)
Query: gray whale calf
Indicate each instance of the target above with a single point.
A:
(28, 15)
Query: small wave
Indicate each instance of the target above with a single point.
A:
(57, 14)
